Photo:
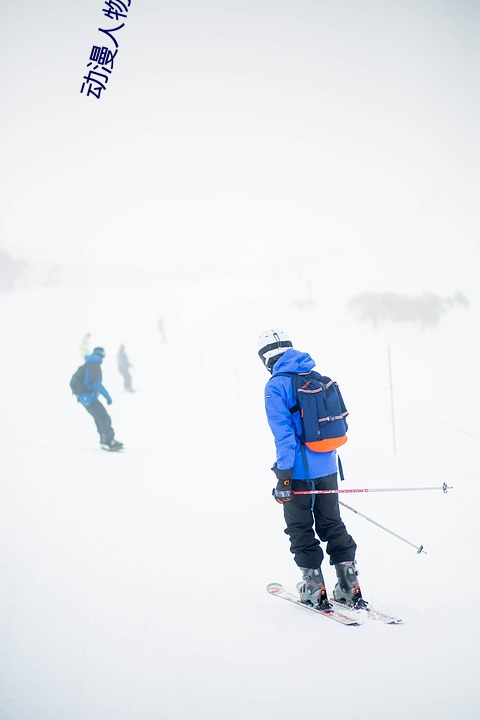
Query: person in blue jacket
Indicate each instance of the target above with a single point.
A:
(309, 518)
(92, 388)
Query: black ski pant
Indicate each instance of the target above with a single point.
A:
(310, 517)
(102, 421)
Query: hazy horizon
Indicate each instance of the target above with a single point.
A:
(236, 132)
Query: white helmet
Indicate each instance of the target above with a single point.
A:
(271, 344)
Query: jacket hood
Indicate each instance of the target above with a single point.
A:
(93, 358)
(293, 361)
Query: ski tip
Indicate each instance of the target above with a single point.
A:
(274, 587)
(383, 617)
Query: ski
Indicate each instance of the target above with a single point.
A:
(371, 613)
(336, 613)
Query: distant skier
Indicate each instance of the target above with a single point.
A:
(161, 329)
(87, 386)
(300, 468)
(85, 345)
(124, 366)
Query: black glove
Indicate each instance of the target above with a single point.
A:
(283, 492)
(282, 474)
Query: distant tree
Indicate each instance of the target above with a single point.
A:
(427, 309)
(10, 270)
(459, 298)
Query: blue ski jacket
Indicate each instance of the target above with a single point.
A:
(93, 381)
(285, 426)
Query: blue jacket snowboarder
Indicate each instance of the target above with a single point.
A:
(88, 397)
(309, 518)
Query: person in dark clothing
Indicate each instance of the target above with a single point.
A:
(124, 366)
(309, 518)
(92, 388)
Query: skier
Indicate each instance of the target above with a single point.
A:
(308, 518)
(161, 329)
(123, 364)
(92, 388)
(85, 345)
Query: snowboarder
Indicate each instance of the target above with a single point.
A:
(123, 364)
(309, 518)
(88, 397)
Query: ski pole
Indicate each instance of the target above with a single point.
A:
(419, 548)
(443, 487)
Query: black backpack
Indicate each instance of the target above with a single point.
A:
(78, 378)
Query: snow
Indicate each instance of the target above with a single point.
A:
(133, 584)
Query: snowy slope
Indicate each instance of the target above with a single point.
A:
(133, 585)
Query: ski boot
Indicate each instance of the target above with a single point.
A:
(312, 589)
(347, 590)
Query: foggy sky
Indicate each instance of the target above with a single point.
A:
(243, 129)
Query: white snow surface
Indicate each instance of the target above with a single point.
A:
(133, 584)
